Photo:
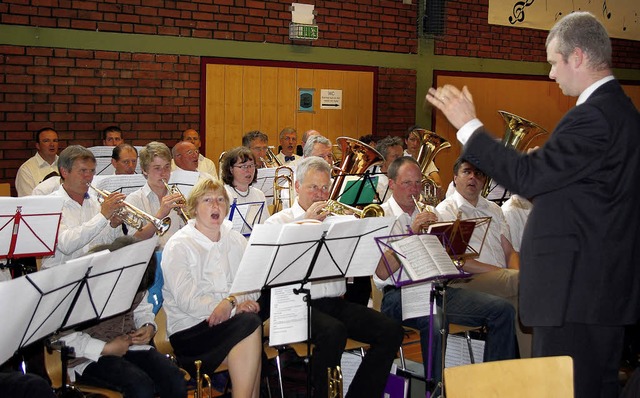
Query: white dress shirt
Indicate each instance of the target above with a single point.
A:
(48, 186)
(330, 288)
(198, 274)
(146, 200)
(492, 252)
(280, 156)
(207, 165)
(254, 195)
(516, 211)
(81, 228)
(32, 172)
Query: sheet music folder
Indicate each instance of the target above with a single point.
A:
(280, 254)
(455, 238)
(94, 286)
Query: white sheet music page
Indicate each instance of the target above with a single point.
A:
(416, 300)
(288, 322)
(184, 180)
(349, 364)
(245, 216)
(125, 183)
(415, 258)
(264, 182)
(37, 231)
(439, 255)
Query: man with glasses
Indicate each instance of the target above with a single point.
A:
(334, 319)
(496, 269)
(258, 142)
(204, 164)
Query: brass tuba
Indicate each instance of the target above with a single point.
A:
(134, 217)
(182, 213)
(357, 157)
(430, 145)
(516, 130)
(282, 181)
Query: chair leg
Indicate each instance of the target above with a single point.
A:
(403, 364)
(468, 337)
(279, 367)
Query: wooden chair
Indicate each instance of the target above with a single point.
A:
(53, 366)
(522, 378)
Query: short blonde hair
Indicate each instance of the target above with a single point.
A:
(203, 187)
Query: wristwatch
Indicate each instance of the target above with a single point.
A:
(459, 263)
(232, 300)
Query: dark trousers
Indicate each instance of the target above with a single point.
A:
(596, 352)
(333, 320)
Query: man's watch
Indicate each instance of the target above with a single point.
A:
(232, 300)
(459, 263)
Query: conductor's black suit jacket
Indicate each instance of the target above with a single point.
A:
(580, 254)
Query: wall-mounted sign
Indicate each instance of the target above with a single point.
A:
(330, 99)
(305, 103)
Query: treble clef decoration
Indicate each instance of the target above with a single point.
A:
(518, 11)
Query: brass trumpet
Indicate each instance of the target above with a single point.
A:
(182, 213)
(282, 180)
(334, 380)
(134, 217)
(340, 209)
(200, 391)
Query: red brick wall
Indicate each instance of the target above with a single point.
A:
(396, 101)
(468, 34)
(355, 24)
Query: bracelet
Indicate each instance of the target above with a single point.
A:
(232, 300)
(155, 329)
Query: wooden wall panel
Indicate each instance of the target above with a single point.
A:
(240, 98)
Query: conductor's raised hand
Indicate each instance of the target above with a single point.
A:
(456, 105)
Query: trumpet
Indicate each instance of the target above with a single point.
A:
(134, 217)
(336, 208)
(283, 180)
(334, 380)
(200, 390)
(182, 213)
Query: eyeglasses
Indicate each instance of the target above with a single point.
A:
(246, 166)
(190, 152)
(316, 188)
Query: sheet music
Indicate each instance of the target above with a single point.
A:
(245, 215)
(34, 305)
(457, 352)
(349, 364)
(184, 180)
(125, 183)
(424, 257)
(288, 322)
(113, 281)
(264, 182)
(416, 300)
(254, 266)
(103, 159)
(38, 228)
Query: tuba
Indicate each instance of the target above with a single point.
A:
(182, 213)
(357, 157)
(134, 217)
(430, 145)
(282, 180)
(516, 130)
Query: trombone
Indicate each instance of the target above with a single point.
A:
(134, 217)
(271, 160)
(182, 213)
(282, 180)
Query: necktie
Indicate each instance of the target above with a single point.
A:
(289, 158)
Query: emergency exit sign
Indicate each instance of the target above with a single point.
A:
(303, 32)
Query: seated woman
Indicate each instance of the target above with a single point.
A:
(238, 172)
(204, 322)
(115, 353)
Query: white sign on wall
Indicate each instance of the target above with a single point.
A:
(330, 99)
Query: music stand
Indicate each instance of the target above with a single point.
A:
(353, 189)
(299, 254)
(103, 155)
(29, 227)
(245, 215)
(456, 239)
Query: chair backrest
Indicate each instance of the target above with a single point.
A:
(5, 189)
(522, 378)
(161, 340)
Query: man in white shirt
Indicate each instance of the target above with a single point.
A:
(185, 155)
(496, 269)
(44, 162)
(204, 164)
(85, 221)
(464, 307)
(124, 159)
(390, 148)
(334, 319)
(516, 211)
(289, 144)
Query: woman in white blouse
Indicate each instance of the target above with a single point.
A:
(203, 321)
(238, 171)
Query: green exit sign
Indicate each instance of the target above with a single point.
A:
(303, 32)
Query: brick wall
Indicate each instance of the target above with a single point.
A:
(354, 24)
(468, 34)
(396, 101)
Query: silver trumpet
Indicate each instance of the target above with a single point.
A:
(182, 213)
(134, 217)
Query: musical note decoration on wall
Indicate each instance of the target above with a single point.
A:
(518, 11)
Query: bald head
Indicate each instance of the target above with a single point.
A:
(185, 154)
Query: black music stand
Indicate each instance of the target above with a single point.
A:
(299, 254)
(456, 242)
(91, 287)
(367, 180)
(28, 228)
(245, 215)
